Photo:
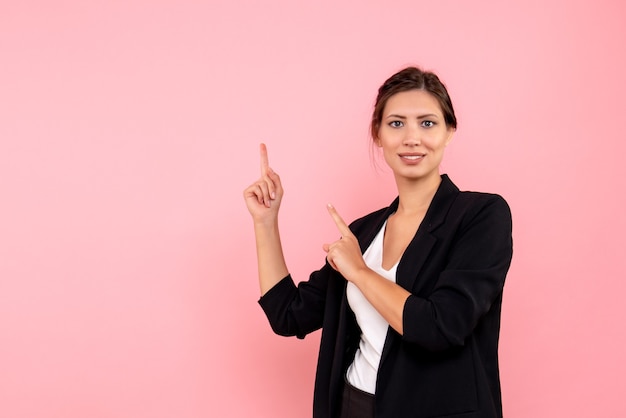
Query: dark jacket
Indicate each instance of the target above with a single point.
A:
(446, 363)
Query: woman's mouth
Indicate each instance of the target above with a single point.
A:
(411, 158)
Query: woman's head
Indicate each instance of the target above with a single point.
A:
(412, 78)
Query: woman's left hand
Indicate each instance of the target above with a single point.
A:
(344, 255)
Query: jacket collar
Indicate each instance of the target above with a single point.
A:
(420, 246)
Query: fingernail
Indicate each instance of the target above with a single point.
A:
(273, 195)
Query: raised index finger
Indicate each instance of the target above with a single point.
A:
(265, 165)
(341, 225)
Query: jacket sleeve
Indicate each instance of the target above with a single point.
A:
(297, 310)
(471, 281)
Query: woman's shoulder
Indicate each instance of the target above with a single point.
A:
(471, 206)
(481, 199)
(468, 206)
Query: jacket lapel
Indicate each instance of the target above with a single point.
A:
(419, 248)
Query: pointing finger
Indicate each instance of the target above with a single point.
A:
(267, 173)
(341, 225)
(265, 165)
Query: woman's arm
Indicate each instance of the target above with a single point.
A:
(291, 310)
(263, 199)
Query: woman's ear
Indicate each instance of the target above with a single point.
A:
(451, 132)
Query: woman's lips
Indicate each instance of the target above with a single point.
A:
(411, 158)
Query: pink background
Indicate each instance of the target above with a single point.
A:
(129, 129)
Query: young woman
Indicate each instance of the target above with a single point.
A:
(410, 296)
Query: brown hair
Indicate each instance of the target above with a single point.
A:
(412, 78)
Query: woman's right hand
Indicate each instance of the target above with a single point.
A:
(263, 197)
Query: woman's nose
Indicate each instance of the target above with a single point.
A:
(412, 137)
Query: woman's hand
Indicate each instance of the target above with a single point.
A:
(263, 197)
(344, 255)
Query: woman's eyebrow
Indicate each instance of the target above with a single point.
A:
(393, 115)
(426, 115)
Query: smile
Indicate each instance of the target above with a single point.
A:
(411, 157)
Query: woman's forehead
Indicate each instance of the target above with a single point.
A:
(412, 101)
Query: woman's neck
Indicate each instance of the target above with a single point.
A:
(415, 195)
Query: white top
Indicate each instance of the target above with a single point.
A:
(363, 371)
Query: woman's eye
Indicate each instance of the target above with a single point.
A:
(428, 124)
(396, 124)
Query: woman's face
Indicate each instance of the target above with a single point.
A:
(413, 135)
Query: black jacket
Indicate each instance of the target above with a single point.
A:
(446, 363)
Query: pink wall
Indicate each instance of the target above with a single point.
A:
(128, 130)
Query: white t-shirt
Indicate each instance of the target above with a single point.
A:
(363, 371)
